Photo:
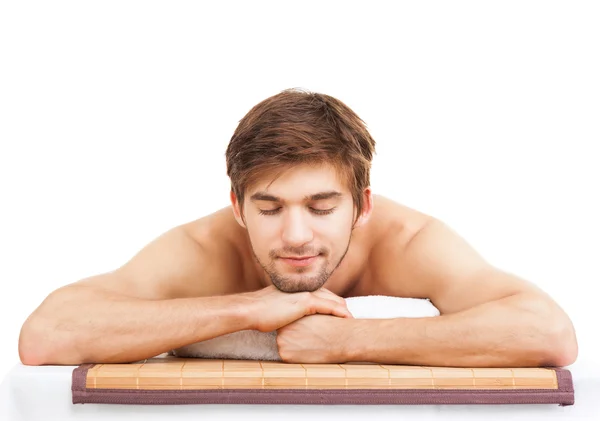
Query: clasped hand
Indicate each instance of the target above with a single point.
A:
(312, 327)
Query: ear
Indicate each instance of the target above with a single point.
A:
(367, 208)
(235, 206)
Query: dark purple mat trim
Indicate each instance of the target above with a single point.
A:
(563, 396)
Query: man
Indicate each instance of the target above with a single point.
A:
(304, 230)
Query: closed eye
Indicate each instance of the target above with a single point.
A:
(316, 211)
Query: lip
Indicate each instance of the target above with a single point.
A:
(298, 262)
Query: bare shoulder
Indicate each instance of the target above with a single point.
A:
(421, 256)
(392, 219)
(192, 259)
(390, 228)
(222, 238)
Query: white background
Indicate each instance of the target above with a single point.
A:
(115, 117)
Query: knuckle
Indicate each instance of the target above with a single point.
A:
(305, 298)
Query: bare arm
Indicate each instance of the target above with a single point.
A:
(509, 332)
(488, 317)
(131, 313)
(172, 293)
(79, 323)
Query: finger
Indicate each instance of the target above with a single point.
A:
(326, 294)
(326, 306)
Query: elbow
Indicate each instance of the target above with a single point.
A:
(561, 347)
(44, 338)
(553, 337)
(33, 346)
(567, 349)
(562, 354)
(41, 344)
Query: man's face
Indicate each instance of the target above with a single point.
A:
(299, 226)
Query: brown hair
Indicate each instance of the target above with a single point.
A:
(298, 127)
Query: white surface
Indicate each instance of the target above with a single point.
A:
(115, 115)
(44, 393)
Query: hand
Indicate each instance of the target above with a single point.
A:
(316, 339)
(271, 309)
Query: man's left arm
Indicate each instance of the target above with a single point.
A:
(488, 317)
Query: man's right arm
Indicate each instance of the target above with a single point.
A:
(168, 295)
(81, 323)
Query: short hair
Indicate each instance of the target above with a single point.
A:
(298, 126)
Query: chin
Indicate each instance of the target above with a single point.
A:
(288, 285)
(298, 279)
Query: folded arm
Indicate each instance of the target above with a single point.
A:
(488, 317)
(515, 331)
(133, 313)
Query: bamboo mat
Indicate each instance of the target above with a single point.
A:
(171, 380)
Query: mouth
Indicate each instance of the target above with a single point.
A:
(299, 261)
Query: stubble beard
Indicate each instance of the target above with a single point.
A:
(302, 283)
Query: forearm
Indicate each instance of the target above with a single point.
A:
(509, 332)
(85, 324)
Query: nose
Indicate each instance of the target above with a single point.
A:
(296, 228)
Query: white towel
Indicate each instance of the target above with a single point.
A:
(384, 307)
(255, 345)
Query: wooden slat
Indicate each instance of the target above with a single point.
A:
(172, 373)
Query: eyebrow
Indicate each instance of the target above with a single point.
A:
(262, 196)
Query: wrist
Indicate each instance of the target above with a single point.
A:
(224, 314)
(354, 339)
(243, 312)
